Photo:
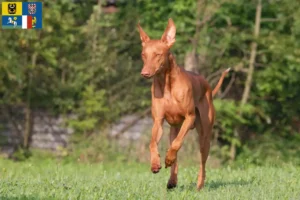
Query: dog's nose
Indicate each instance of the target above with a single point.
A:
(145, 74)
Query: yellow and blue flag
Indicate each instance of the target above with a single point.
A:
(22, 15)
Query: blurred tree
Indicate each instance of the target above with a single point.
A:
(36, 64)
(87, 62)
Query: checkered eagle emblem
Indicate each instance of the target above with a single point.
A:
(31, 8)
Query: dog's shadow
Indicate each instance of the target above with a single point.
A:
(213, 185)
(218, 184)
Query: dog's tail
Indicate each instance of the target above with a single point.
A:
(214, 92)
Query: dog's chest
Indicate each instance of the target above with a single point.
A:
(174, 114)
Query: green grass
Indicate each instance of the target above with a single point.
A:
(49, 180)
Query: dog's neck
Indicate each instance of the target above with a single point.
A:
(162, 81)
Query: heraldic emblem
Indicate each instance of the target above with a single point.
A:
(12, 8)
(31, 8)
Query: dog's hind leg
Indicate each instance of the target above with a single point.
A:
(204, 125)
(174, 168)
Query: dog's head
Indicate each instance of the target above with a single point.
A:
(155, 52)
(12, 7)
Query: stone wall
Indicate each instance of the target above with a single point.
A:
(142, 127)
(135, 131)
(48, 131)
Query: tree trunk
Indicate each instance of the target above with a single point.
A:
(205, 13)
(250, 72)
(248, 83)
(28, 113)
(94, 19)
(28, 126)
(191, 60)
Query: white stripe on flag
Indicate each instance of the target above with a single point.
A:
(24, 22)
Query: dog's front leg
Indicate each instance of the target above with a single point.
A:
(156, 135)
(177, 143)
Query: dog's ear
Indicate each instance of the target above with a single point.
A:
(169, 35)
(143, 35)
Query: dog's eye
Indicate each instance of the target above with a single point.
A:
(158, 54)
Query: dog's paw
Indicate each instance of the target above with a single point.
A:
(155, 163)
(171, 184)
(200, 186)
(155, 168)
(200, 183)
(170, 158)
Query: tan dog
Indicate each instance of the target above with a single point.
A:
(182, 98)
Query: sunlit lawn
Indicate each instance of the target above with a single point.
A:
(49, 180)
